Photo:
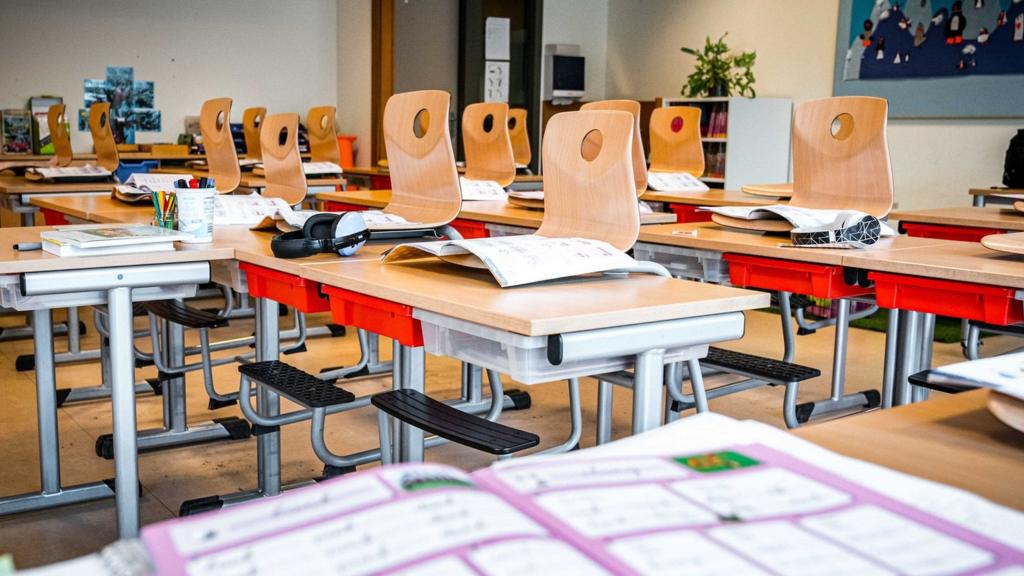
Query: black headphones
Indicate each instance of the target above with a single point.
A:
(340, 232)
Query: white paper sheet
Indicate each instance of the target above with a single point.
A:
(517, 260)
(497, 38)
(317, 168)
(532, 556)
(496, 81)
(481, 189)
(675, 182)
(1003, 373)
(248, 210)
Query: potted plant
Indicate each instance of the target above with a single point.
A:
(720, 72)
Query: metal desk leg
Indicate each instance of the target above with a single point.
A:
(411, 367)
(906, 359)
(122, 372)
(926, 331)
(647, 384)
(268, 446)
(892, 338)
(51, 493)
(978, 201)
(839, 400)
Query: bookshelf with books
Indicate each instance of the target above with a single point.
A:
(746, 140)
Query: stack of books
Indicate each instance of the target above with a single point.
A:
(104, 240)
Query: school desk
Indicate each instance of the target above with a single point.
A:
(379, 178)
(965, 224)
(38, 282)
(981, 196)
(16, 193)
(474, 218)
(952, 439)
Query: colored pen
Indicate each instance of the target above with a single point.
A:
(181, 183)
(209, 182)
(193, 183)
(202, 182)
(28, 246)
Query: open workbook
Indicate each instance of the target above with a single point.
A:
(87, 173)
(703, 496)
(481, 189)
(675, 182)
(137, 189)
(261, 213)
(811, 227)
(517, 260)
(308, 168)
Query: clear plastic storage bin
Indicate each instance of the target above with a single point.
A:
(688, 263)
(496, 230)
(524, 358)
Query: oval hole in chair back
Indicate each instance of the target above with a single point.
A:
(281, 160)
(103, 136)
(323, 137)
(486, 141)
(57, 123)
(424, 180)
(675, 140)
(841, 155)
(221, 157)
(589, 186)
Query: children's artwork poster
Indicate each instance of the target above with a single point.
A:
(131, 103)
(933, 58)
(892, 39)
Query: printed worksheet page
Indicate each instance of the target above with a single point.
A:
(481, 189)
(675, 182)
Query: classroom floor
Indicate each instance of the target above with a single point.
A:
(173, 475)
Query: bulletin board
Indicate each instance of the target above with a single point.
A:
(933, 58)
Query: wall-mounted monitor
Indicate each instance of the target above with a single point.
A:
(567, 73)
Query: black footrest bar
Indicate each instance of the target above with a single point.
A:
(300, 387)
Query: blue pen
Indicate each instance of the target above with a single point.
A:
(209, 183)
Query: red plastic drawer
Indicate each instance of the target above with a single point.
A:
(380, 182)
(288, 289)
(964, 300)
(470, 228)
(816, 280)
(376, 315)
(53, 218)
(943, 232)
(332, 206)
(689, 213)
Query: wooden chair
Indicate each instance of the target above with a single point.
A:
(675, 140)
(589, 176)
(485, 137)
(279, 140)
(424, 181)
(252, 119)
(103, 136)
(639, 158)
(221, 158)
(840, 160)
(519, 136)
(59, 135)
(323, 137)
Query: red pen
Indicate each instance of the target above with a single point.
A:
(193, 183)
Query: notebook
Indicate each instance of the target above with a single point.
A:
(518, 260)
(705, 496)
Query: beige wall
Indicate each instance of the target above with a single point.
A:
(582, 22)
(191, 49)
(354, 73)
(934, 161)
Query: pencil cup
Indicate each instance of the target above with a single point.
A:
(165, 215)
(195, 213)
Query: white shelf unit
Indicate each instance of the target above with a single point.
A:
(756, 143)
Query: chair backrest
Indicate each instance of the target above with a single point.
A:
(59, 135)
(103, 137)
(519, 136)
(589, 188)
(323, 137)
(639, 158)
(486, 141)
(219, 145)
(424, 180)
(841, 155)
(279, 140)
(252, 119)
(675, 140)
